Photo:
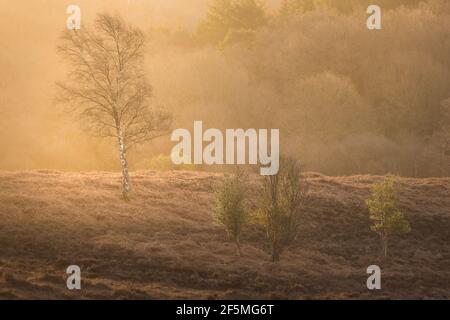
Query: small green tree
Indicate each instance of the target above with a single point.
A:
(385, 214)
(230, 209)
(282, 200)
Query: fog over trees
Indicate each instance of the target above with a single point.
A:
(346, 99)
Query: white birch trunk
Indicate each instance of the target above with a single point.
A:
(124, 164)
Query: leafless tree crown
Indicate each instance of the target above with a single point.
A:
(107, 84)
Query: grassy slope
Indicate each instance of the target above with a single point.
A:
(163, 243)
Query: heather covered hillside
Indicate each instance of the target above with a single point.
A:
(164, 244)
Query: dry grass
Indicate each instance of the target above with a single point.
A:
(163, 244)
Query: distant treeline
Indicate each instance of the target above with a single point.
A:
(346, 99)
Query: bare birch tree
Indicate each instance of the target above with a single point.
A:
(107, 86)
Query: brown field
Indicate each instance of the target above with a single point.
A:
(163, 244)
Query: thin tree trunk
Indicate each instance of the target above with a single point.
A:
(383, 235)
(385, 247)
(275, 253)
(124, 164)
(238, 247)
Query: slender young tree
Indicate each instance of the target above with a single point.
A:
(107, 86)
(385, 214)
(230, 210)
(283, 197)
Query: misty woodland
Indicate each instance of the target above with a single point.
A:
(225, 149)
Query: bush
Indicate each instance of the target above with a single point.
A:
(385, 214)
(282, 201)
(230, 209)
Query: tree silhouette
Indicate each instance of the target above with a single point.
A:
(107, 85)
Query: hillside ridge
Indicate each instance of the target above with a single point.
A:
(164, 244)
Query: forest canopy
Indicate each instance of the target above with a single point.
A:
(346, 99)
